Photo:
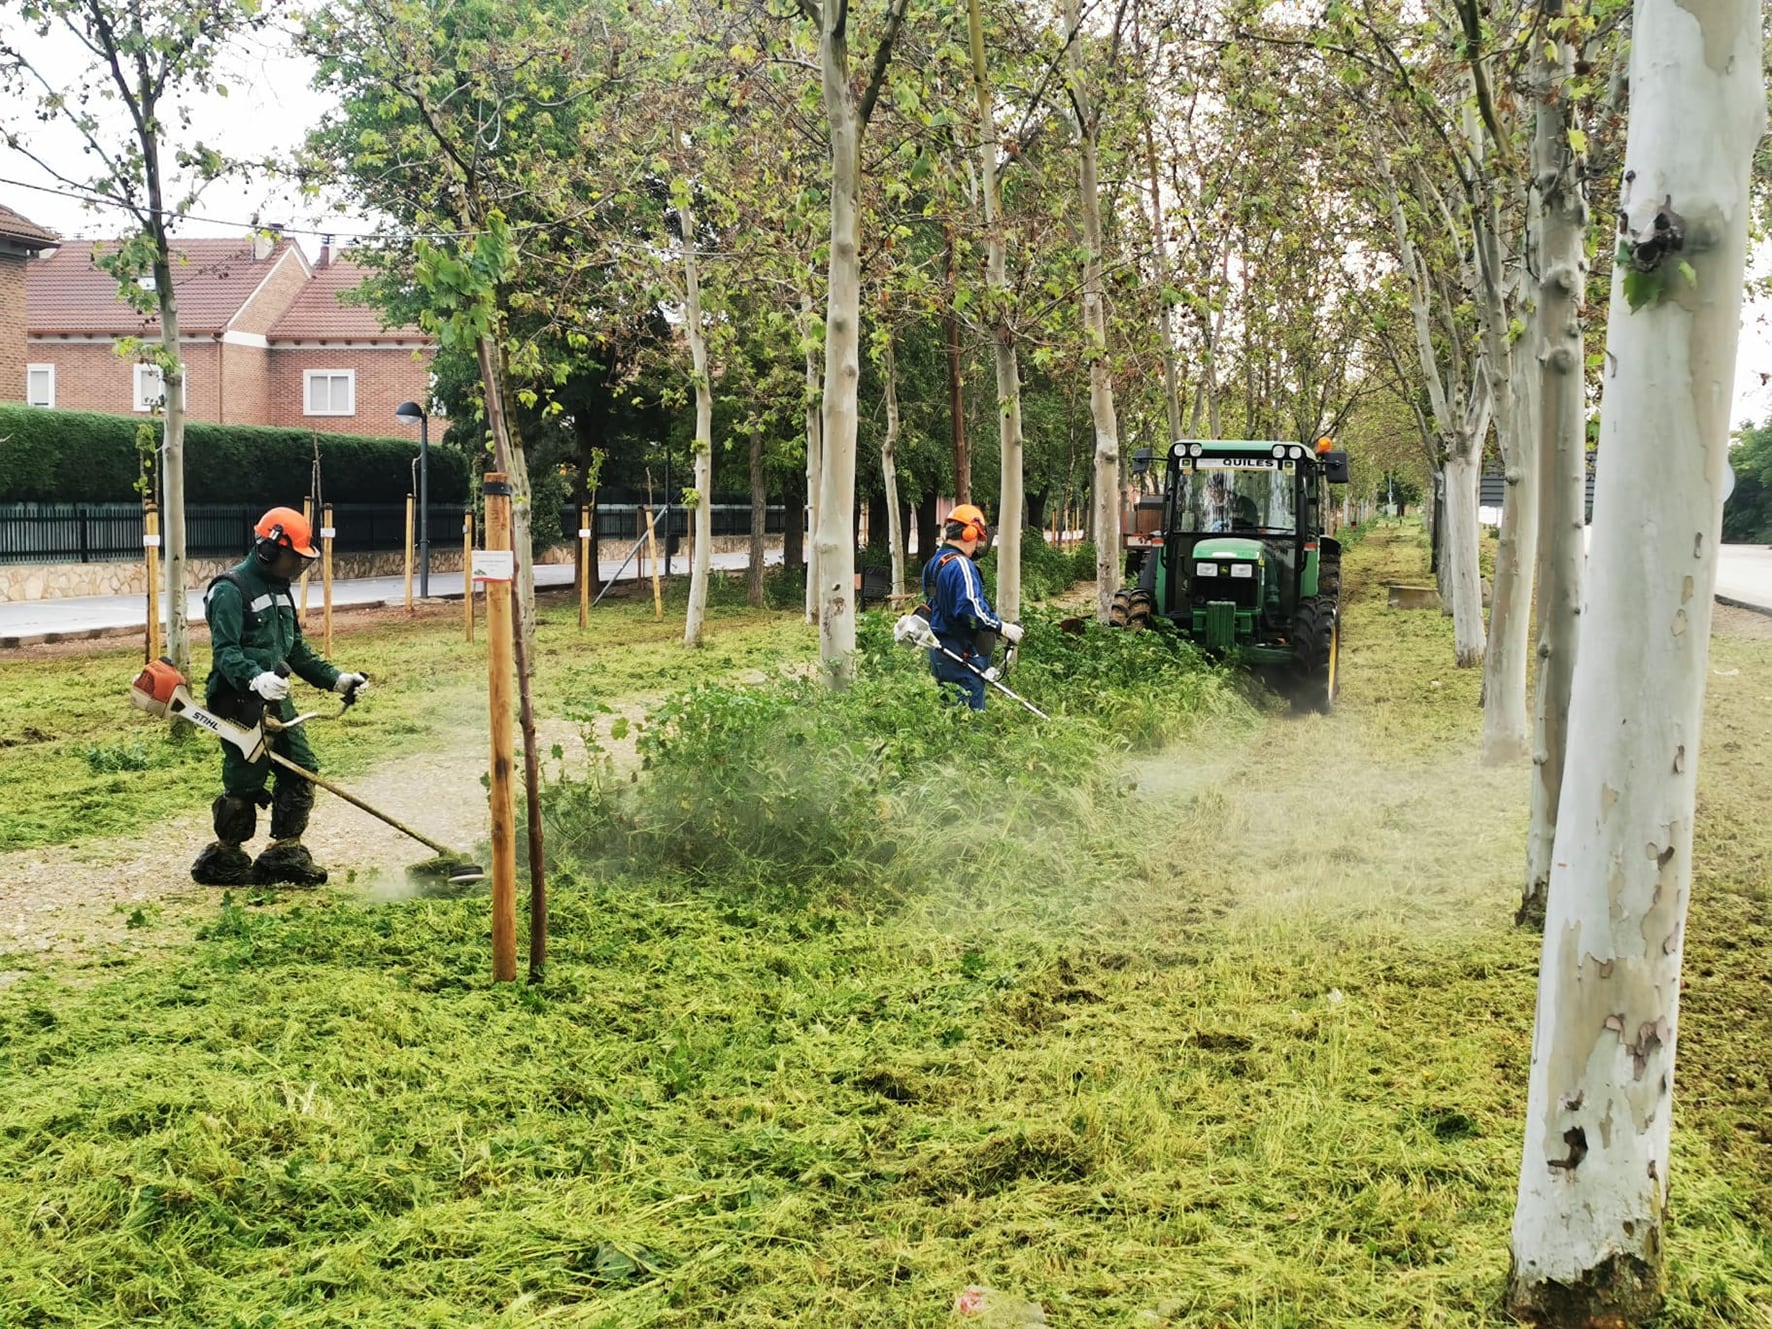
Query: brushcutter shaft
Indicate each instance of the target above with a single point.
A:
(440, 850)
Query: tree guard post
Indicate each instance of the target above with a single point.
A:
(326, 532)
(584, 567)
(467, 572)
(307, 515)
(496, 566)
(408, 548)
(151, 549)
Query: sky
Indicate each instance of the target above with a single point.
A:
(272, 104)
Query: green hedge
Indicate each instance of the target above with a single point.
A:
(84, 457)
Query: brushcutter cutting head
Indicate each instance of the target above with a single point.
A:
(466, 874)
(914, 630)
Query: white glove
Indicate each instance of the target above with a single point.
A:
(1011, 633)
(991, 675)
(270, 686)
(348, 682)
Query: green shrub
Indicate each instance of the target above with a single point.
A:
(878, 792)
(86, 457)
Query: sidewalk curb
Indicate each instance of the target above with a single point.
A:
(1749, 605)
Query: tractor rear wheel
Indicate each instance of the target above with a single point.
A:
(1120, 609)
(1131, 610)
(1316, 634)
(1329, 580)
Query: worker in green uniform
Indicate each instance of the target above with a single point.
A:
(257, 642)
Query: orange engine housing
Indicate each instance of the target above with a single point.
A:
(153, 687)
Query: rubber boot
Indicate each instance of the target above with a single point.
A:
(223, 862)
(287, 863)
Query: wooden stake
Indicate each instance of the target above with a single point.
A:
(326, 578)
(500, 565)
(652, 557)
(467, 571)
(151, 547)
(409, 553)
(584, 567)
(307, 515)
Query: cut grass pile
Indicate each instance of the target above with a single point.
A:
(1218, 1068)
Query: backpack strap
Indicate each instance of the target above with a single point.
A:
(253, 609)
(933, 569)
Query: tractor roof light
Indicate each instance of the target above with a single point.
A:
(1325, 444)
(1279, 449)
(1196, 450)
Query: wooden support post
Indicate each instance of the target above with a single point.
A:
(409, 553)
(498, 564)
(652, 557)
(307, 515)
(326, 578)
(467, 571)
(151, 547)
(584, 567)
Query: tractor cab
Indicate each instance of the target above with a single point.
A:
(1243, 565)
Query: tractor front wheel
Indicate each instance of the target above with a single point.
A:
(1316, 634)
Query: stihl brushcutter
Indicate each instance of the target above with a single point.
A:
(914, 630)
(160, 690)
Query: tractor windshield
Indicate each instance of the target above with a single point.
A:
(1254, 495)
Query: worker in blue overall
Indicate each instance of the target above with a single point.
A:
(959, 613)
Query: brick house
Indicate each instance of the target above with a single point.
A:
(21, 240)
(266, 337)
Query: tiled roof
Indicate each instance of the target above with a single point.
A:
(69, 292)
(24, 230)
(319, 314)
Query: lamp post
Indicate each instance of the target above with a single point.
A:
(410, 411)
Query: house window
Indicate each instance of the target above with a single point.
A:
(150, 390)
(329, 392)
(40, 385)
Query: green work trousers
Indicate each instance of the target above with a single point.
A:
(244, 778)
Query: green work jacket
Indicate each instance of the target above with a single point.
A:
(254, 633)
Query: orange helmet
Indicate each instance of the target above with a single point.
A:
(967, 522)
(285, 528)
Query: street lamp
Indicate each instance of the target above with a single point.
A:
(410, 411)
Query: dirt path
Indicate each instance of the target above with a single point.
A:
(75, 900)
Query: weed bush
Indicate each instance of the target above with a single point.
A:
(871, 794)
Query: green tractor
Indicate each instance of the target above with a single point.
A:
(1232, 552)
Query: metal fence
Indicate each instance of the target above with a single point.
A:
(112, 532)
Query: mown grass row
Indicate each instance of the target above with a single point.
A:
(1213, 1025)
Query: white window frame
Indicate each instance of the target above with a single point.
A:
(307, 390)
(40, 369)
(139, 398)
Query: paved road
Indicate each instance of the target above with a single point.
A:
(25, 622)
(1744, 577)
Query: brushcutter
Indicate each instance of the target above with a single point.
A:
(160, 690)
(914, 630)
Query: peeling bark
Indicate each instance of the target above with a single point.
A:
(703, 447)
(1587, 1239)
(1106, 488)
(1562, 457)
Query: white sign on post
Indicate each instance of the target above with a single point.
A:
(494, 565)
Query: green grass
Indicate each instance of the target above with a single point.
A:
(1250, 1052)
(66, 724)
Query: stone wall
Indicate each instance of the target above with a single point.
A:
(51, 581)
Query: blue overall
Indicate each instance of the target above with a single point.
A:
(958, 611)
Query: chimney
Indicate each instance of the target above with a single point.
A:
(325, 251)
(264, 240)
